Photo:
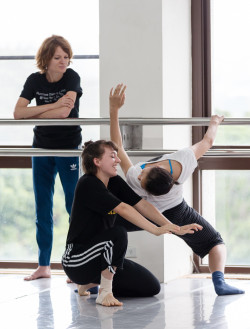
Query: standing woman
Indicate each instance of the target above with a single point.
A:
(57, 91)
(96, 244)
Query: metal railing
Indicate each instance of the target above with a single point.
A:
(31, 57)
(29, 152)
(9, 151)
(124, 121)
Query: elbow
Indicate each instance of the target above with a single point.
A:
(122, 209)
(65, 113)
(16, 115)
(141, 205)
(209, 142)
(63, 116)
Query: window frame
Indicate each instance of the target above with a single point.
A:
(201, 107)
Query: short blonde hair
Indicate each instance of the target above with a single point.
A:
(47, 51)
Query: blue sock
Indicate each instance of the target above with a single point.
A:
(221, 287)
(93, 290)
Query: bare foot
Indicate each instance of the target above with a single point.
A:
(40, 272)
(82, 290)
(69, 281)
(107, 300)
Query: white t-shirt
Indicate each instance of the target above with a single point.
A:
(186, 158)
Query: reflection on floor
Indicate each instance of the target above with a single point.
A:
(182, 303)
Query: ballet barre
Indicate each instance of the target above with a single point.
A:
(199, 121)
(31, 57)
(31, 152)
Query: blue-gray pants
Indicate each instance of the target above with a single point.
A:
(45, 170)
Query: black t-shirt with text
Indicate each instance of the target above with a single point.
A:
(92, 210)
(45, 92)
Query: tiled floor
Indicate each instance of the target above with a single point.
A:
(182, 303)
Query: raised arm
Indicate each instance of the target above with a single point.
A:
(116, 100)
(206, 143)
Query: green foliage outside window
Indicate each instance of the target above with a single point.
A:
(17, 217)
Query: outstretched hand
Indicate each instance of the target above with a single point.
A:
(189, 229)
(216, 119)
(207, 141)
(168, 228)
(178, 230)
(117, 97)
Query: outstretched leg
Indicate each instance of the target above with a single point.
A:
(217, 259)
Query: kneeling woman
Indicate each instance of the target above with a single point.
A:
(96, 245)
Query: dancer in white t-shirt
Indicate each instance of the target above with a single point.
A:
(160, 181)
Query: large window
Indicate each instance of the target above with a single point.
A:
(24, 25)
(225, 205)
(17, 217)
(230, 58)
(221, 82)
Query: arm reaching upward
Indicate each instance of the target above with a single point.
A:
(116, 100)
(206, 143)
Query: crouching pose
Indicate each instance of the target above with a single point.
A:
(96, 244)
(160, 181)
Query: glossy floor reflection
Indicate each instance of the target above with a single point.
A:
(182, 303)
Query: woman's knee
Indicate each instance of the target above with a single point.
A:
(155, 287)
(151, 284)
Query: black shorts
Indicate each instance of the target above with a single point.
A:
(201, 242)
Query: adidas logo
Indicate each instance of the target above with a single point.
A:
(73, 166)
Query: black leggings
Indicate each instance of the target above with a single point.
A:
(83, 264)
(135, 281)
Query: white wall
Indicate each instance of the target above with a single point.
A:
(177, 102)
(177, 70)
(139, 43)
(131, 52)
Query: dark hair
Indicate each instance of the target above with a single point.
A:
(159, 181)
(48, 48)
(94, 150)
